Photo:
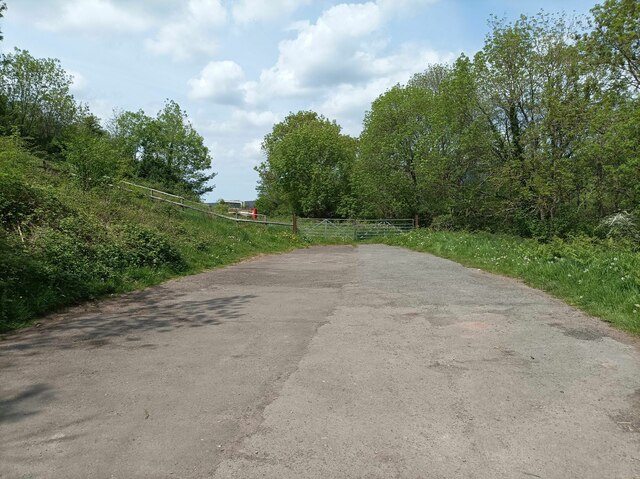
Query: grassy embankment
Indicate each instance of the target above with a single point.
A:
(60, 245)
(599, 277)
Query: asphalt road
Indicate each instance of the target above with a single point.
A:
(333, 362)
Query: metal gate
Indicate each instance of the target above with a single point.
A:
(352, 229)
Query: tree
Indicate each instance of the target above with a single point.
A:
(533, 98)
(92, 153)
(36, 98)
(165, 149)
(460, 188)
(615, 40)
(432, 78)
(389, 179)
(308, 166)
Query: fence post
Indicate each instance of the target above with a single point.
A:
(295, 224)
(416, 221)
(355, 230)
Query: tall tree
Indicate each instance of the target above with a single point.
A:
(462, 186)
(389, 170)
(36, 97)
(615, 39)
(532, 95)
(165, 149)
(431, 78)
(307, 167)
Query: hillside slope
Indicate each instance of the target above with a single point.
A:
(60, 245)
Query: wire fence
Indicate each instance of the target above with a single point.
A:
(328, 228)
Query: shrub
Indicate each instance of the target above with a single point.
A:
(145, 247)
(94, 159)
(23, 204)
(443, 223)
(622, 226)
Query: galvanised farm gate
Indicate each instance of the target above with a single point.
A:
(352, 229)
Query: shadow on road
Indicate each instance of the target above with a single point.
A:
(25, 403)
(153, 310)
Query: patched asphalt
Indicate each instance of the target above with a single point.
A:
(328, 362)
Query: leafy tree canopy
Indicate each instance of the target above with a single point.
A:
(35, 97)
(165, 149)
(307, 167)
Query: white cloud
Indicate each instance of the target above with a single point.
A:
(403, 6)
(243, 121)
(252, 151)
(254, 118)
(94, 15)
(331, 51)
(251, 11)
(220, 82)
(345, 50)
(78, 81)
(348, 102)
(194, 31)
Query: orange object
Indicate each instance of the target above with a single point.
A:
(254, 213)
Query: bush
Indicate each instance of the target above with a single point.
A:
(623, 226)
(94, 158)
(444, 222)
(21, 282)
(22, 204)
(148, 248)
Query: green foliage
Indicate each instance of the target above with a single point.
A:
(23, 205)
(395, 153)
(95, 159)
(61, 244)
(308, 167)
(166, 149)
(145, 247)
(35, 98)
(537, 136)
(615, 40)
(601, 278)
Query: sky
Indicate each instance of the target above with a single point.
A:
(239, 66)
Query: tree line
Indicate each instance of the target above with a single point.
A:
(38, 109)
(538, 134)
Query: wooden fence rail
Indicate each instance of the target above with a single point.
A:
(158, 195)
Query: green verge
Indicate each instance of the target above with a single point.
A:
(60, 245)
(601, 278)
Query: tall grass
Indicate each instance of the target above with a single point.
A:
(599, 277)
(60, 245)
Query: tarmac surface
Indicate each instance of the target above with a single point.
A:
(329, 362)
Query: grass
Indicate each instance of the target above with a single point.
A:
(601, 278)
(60, 245)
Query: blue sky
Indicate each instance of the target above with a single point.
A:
(237, 67)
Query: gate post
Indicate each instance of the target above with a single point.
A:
(295, 224)
(416, 221)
